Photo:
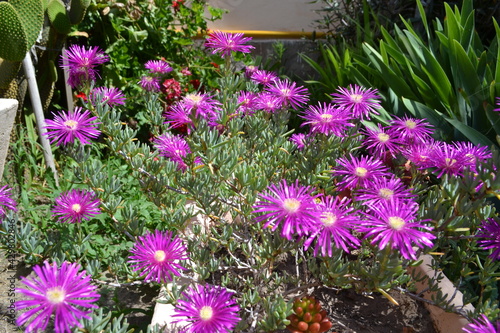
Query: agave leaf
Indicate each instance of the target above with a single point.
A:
(470, 133)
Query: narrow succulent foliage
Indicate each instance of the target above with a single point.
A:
(71, 125)
(158, 256)
(207, 309)
(59, 291)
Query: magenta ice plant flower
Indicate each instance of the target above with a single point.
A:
(299, 139)
(207, 309)
(497, 104)
(473, 153)
(267, 102)
(290, 206)
(71, 125)
(150, 83)
(354, 172)
(263, 77)
(358, 100)
(327, 119)
(380, 140)
(447, 159)
(420, 154)
(481, 325)
(177, 116)
(246, 102)
(110, 96)
(202, 105)
(489, 237)
(394, 223)
(81, 64)
(224, 43)
(383, 189)
(158, 256)
(59, 291)
(334, 227)
(412, 130)
(174, 148)
(6, 201)
(288, 93)
(76, 205)
(158, 67)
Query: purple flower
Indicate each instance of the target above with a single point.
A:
(497, 104)
(359, 100)
(6, 201)
(202, 105)
(299, 139)
(158, 256)
(158, 67)
(207, 309)
(174, 148)
(335, 223)
(489, 232)
(111, 96)
(267, 102)
(411, 130)
(472, 153)
(446, 158)
(82, 63)
(61, 291)
(355, 172)
(288, 93)
(263, 77)
(420, 153)
(292, 206)
(383, 189)
(246, 102)
(225, 43)
(249, 70)
(150, 83)
(394, 223)
(481, 325)
(379, 141)
(76, 205)
(177, 116)
(66, 127)
(327, 119)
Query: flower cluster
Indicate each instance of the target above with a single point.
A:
(81, 64)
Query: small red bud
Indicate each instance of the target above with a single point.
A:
(314, 328)
(325, 326)
(307, 317)
(299, 311)
(317, 318)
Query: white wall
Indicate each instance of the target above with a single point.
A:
(267, 15)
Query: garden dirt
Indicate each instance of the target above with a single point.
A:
(348, 311)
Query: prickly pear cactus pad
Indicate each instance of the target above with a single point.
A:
(31, 14)
(13, 41)
(77, 10)
(58, 16)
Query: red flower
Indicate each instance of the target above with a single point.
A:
(176, 4)
(171, 88)
(196, 83)
(82, 96)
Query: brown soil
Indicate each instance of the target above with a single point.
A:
(348, 311)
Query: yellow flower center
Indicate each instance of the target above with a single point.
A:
(55, 295)
(383, 137)
(196, 99)
(410, 124)
(396, 222)
(357, 98)
(206, 313)
(360, 172)
(77, 208)
(71, 124)
(291, 205)
(326, 117)
(328, 219)
(160, 256)
(450, 161)
(385, 193)
(285, 92)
